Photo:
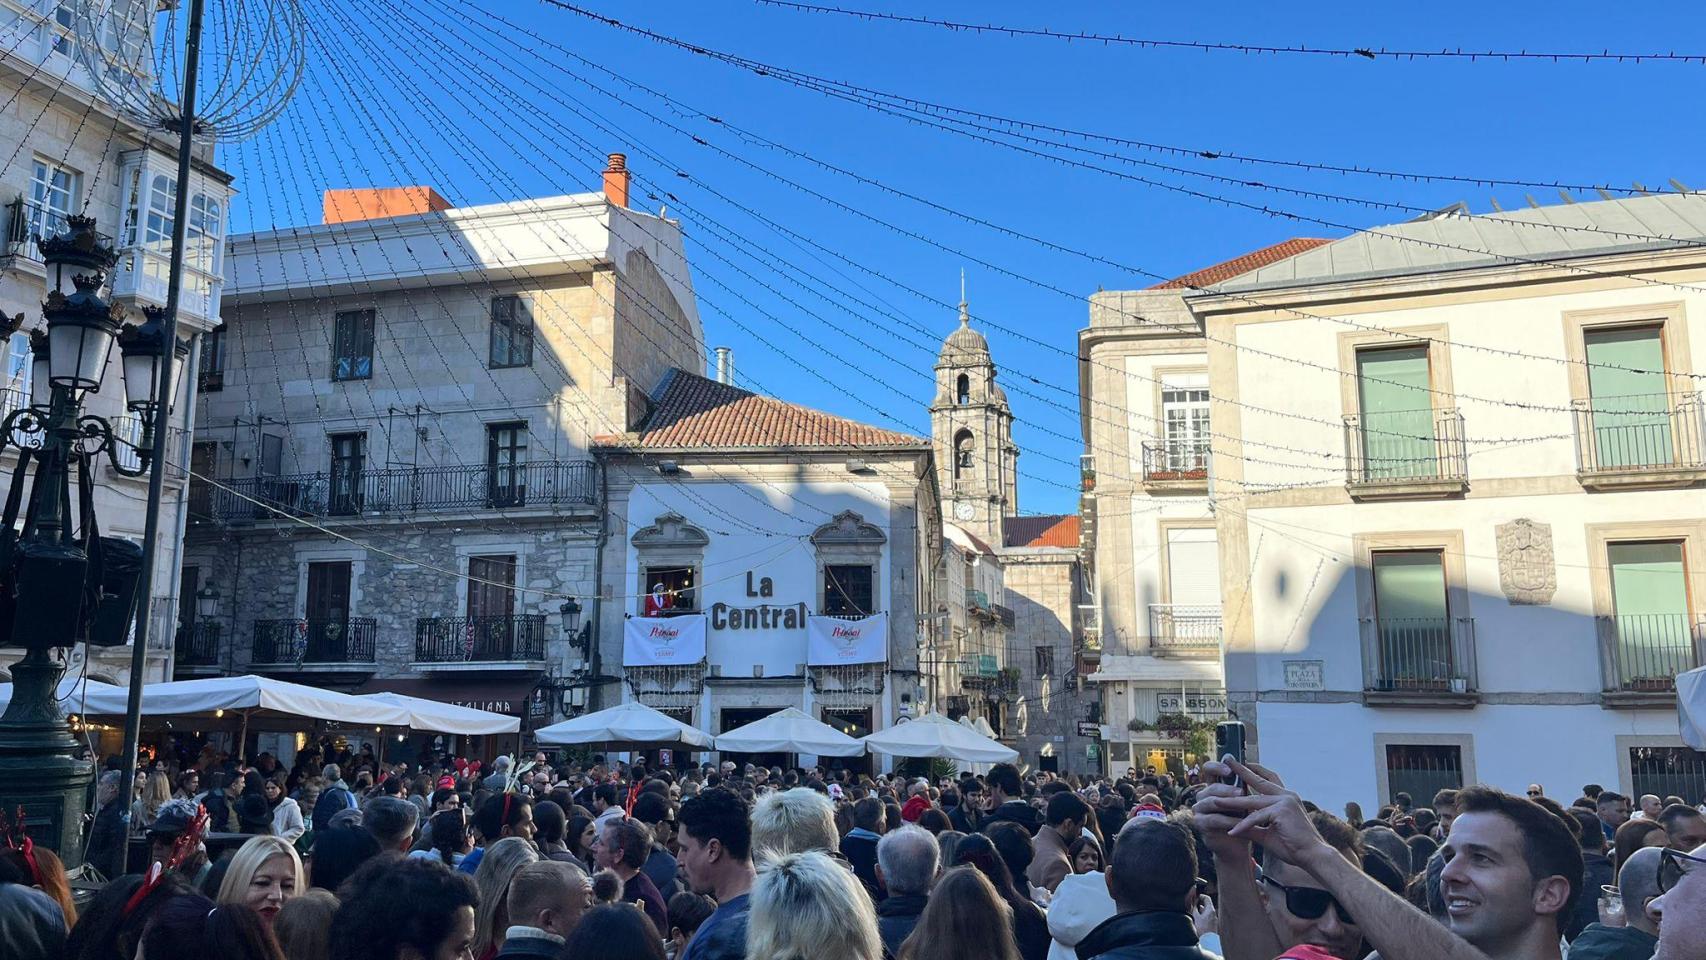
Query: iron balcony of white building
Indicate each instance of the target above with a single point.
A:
(1646, 440)
(514, 642)
(979, 670)
(1187, 631)
(1405, 454)
(197, 645)
(319, 645)
(1175, 465)
(1641, 654)
(399, 491)
(1419, 661)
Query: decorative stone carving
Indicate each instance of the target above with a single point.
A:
(846, 530)
(1527, 573)
(671, 530)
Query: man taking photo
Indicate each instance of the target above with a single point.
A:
(1512, 871)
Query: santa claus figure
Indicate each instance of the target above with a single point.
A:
(658, 601)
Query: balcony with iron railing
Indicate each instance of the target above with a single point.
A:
(1405, 454)
(127, 434)
(1187, 631)
(1419, 661)
(1175, 464)
(1642, 653)
(294, 643)
(197, 646)
(543, 484)
(979, 670)
(456, 643)
(1645, 440)
(26, 222)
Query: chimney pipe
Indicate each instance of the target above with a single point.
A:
(725, 366)
(616, 180)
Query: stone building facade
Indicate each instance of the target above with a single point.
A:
(400, 488)
(1037, 684)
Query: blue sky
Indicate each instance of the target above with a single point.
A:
(836, 326)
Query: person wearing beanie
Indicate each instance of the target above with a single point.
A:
(1081, 902)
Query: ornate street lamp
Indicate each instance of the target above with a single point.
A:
(570, 612)
(207, 602)
(61, 582)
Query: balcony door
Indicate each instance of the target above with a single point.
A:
(349, 459)
(1192, 617)
(1397, 413)
(1628, 391)
(506, 464)
(1649, 588)
(1412, 619)
(1185, 428)
(489, 633)
(327, 611)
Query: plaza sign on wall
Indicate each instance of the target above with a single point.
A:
(831, 641)
(663, 641)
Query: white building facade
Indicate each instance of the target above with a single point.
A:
(71, 154)
(1457, 482)
(748, 523)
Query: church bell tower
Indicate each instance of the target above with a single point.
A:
(972, 428)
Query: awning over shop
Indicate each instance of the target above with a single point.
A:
(510, 697)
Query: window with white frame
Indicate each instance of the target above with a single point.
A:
(1185, 422)
(157, 221)
(53, 196)
(202, 244)
(19, 362)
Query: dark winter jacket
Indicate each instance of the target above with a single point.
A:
(1152, 935)
(1017, 811)
(1600, 942)
(896, 918)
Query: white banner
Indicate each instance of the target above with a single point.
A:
(830, 640)
(663, 641)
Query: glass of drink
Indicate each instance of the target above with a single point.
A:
(1611, 906)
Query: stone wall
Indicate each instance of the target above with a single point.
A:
(1043, 589)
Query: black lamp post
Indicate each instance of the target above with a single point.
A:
(61, 582)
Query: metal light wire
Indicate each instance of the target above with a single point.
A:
(254, 56)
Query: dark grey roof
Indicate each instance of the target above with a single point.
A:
(1458, 242)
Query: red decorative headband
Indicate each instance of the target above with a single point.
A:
(186, 844)
(16, 835)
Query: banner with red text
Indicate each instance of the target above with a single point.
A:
(831, 640)
(663, 641)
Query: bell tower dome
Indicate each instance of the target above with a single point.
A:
(972, 428)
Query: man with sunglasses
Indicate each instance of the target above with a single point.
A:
(1681, 906)
(1511, 875)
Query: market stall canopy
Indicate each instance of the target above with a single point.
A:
(73, 694)
(790, 731)
(933, 735)
(627, 726)
(259, 698)
(1691, 707)
(447, 717)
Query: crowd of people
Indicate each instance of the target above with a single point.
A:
(725, 862)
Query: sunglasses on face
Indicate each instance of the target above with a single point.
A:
(1308, 903)
(1672, 865)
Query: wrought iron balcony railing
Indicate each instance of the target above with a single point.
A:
(516, 638)
(197, 644)
(27, 220)
(1419, 654)
(1644, 433)
(1405, 448)
(400, 490)
(1184, 630)
(298, 641)
(1175, 461)
(1643, 652)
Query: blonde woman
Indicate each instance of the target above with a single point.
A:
(263, 876)
(155, 792)
(808, 905)
(497, 868)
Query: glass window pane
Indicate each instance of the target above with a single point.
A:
(1631, 412)
(1409, 585)
(1397, 413)
(1650, 627)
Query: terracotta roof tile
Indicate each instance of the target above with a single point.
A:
(1238, 266)
(693, 411)
(1061, 531)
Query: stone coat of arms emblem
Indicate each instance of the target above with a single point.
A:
(1527, 573)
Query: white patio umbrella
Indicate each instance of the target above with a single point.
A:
(933, 735)
(254, 697)
(447, 717)
(627, 726)
(790, 731)
(1691, 707)
(73, 693)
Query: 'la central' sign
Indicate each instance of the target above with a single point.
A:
(764, 616)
